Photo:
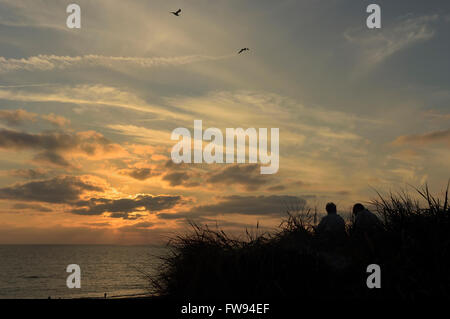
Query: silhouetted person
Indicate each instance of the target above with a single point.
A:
(332, 226)
(365, 221)
(364, 230)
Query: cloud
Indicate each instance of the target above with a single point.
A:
(19, 117)
(423, 139)
(247, 176)
(51, 144)
(436, 115)
(276, 188)
(180, 179)
(143, 134)
(58, 190)
(92, 95)
(50, 140)
(16, 117)
(76, 192)
(52, 158)
(378, 46)
(30, 173)
(140, 174)
(124, 207)
(56, 120)
(124, 215)
(54, 62)
(98, 224)
(264, 109)
(287, 184)
(138, 227)
(180, 174)
(272, 205)
(34, 207)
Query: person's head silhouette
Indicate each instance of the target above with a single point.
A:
(331, 208)
(357, 208)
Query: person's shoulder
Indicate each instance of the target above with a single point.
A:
(324, 219)
(361, 215)
(368, 212)
(374, 216)
(365, 212)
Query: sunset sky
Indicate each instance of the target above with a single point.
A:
(86, 114)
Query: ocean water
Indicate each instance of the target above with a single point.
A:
(39, 271)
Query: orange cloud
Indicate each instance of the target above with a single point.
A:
(57, 147)
(16, 117)
(140, 174)
(422, 139)
(20, 116)
(56, 120)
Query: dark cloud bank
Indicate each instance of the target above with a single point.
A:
(69, 189)
(273, 205)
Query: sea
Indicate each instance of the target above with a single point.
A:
(40, 271)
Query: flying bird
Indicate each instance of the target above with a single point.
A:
(177, 13)
(242, 50)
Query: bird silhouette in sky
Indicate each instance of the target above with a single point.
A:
(242, 50)
(177, 13)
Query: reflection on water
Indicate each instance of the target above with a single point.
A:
(39, 271)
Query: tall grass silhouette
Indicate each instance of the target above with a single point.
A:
(412, 247)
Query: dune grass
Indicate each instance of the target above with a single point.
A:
(412, 246)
